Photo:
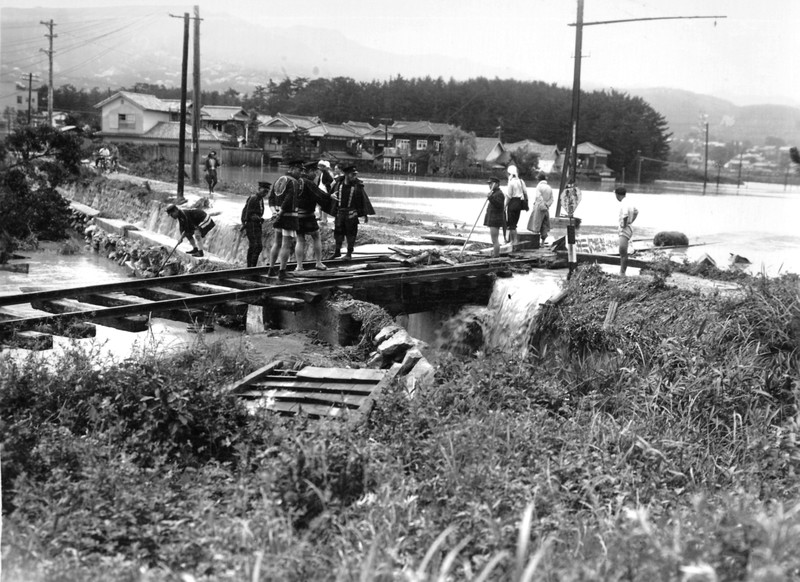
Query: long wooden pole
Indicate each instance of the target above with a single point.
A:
(473, 228)
(572, 258)
(182, 124)
(196, 101)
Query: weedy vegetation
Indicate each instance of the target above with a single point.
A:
(662, 445)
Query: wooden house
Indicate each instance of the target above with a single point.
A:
(592, 162)
(412, 147)
(490, 153)
(550, 158)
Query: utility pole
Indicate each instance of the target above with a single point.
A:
(579, 24)
(49, 54)
(638, 167)
(572, 255)
(739, 177)
(30, 79)
(705, 173)
(182, 123)
(196, 98)
(30, 94)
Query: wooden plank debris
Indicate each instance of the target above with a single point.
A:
(314, 391)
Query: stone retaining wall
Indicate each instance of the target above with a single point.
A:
(113, 200)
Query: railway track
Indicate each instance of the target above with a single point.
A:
(128, 305)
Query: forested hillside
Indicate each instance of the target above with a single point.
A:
(512, 110)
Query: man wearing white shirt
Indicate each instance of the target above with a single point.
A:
(627, 214)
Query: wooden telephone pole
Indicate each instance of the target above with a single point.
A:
(182, 121)
(569, 174)
(196, 104)
(49, 24)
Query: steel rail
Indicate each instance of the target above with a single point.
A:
(261, 293)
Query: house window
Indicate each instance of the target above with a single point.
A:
(398, 164)
(127, 121)
(437, 145)
(422, 144)
(19, 99)
(387, 163)
(403, 144)
(412, 167)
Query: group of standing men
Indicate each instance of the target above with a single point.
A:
(503, 209)
(295, 199)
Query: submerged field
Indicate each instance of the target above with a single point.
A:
(662, 445)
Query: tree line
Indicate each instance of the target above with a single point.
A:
(508, 109)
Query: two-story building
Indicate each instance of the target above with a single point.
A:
(412, 147)
(16, 99)
(231, 120)
(144, 119)
(338, 143)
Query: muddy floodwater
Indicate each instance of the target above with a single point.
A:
(754, 220)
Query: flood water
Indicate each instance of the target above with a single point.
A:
(756, 220)
(51, 270)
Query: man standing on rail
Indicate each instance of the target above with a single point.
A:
(350, 202)
(310, 195)
(282, 200)
(323, 178)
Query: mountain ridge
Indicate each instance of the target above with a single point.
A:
(95, 50)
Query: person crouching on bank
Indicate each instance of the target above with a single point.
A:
(194, 225)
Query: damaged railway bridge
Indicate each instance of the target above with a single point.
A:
(299, 303)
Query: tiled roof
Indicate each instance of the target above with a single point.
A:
(485, 145)
(330, 129)
(142, 100)
(588, 148)
(545, 152)
(305, 121)
(222, 112)
(171, 130)
(360, 127)
(426, 128)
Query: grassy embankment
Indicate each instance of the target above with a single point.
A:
(661, 447)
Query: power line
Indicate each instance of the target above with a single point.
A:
(31, 61)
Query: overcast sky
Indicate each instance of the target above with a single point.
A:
(746, 57)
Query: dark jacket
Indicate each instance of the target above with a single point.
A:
(189, 220)
(283, 195)
(351, 197)
(494, 208)
(253, 209)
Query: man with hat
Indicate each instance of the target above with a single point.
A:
(308, 197)
(252, 219)
(194, 225)
(212, 164)
(350, 202)
(495, 216)
(282, 201)
(323, 178)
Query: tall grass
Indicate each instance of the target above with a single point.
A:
(665, 446)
